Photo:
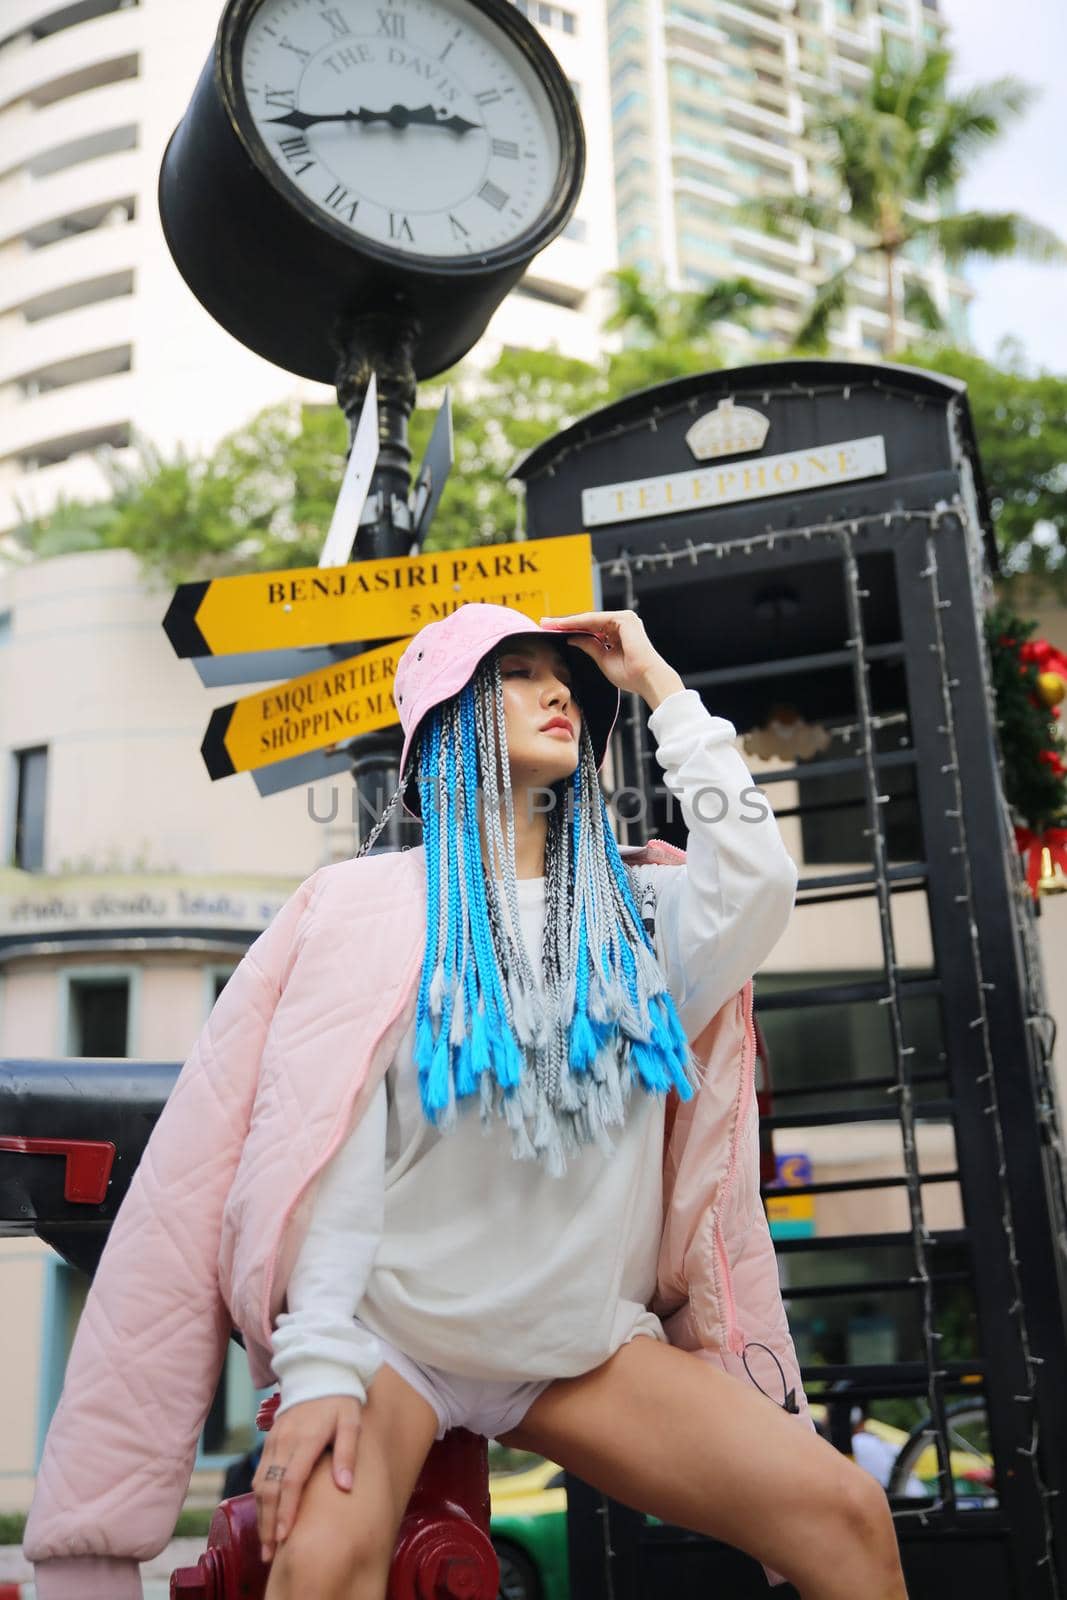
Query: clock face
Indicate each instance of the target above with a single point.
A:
(418, 125)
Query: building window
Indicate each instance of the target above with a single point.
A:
(216, 980)
(98, 1014)
(635, 236)
(629, 102)
(628, 36)
(70, 16)
(633, 169)
(548, 16)
(31, 782)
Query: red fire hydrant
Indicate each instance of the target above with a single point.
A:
(442, 1552)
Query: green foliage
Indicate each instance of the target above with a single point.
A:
(499, 414)
(648, 314)
(527, 395)
(12, 1526)
(194, 1522)
(1020, 419)
(262, 500)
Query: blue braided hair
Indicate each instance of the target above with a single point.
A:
(554, 1051)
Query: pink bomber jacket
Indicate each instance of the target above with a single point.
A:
(218, 1207)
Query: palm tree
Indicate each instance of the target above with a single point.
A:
(898, 155)
(654, 315)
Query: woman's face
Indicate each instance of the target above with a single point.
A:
(538, 694)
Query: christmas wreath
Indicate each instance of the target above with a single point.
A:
(1029, 682)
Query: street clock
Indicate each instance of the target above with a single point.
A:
(401, 157)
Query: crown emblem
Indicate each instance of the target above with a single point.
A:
(729, 430)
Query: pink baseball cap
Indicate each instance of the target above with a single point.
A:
(443, 655)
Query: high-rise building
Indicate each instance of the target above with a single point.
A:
(712, 101)
(690, 106)
(99, 336)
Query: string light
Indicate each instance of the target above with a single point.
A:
(618, 564)
(581, 434)
(1037, 1004)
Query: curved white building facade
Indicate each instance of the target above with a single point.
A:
(99, 337)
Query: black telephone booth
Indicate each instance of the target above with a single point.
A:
(810, 543)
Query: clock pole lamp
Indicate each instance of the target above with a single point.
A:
(354, 188)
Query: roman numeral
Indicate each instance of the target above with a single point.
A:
(488, 97)
(339, 198)
(281, 97)
(400, 229)
(493, 196)
(458, 230)
(287, 44)
(391, 24)
(333, 18)
(506, 147)
(295, 149)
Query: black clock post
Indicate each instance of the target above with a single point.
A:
(339, 228)
(382, 345)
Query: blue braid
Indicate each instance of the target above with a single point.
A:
(501, 1042)
(584, 1040)
(474, 988)
(435, 1089)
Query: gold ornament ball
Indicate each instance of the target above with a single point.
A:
(1050, 688)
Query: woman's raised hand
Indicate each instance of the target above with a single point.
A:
(294, 1444)
(622, 650)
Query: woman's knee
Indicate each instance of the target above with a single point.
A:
(311, 1562)
(865, 1516)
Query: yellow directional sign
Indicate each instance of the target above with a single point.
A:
(322, 708)
(377, 599)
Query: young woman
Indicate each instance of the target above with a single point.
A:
(417, 1157)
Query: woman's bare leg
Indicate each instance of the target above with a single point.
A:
(341, 1543)
(670, 1434)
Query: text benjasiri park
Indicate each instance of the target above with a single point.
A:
(445, 569)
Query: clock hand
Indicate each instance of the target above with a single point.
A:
(434, 118)
(399, 116)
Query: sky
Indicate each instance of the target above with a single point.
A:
(1024, 171)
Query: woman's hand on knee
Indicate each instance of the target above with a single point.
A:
(294, 1444)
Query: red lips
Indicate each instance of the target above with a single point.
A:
(558, 722)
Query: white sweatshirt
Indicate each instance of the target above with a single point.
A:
(481, 1265)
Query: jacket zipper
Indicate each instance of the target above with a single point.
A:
(342, 1128)
(735, 1339)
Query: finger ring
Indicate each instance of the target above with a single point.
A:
(275, 1472)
